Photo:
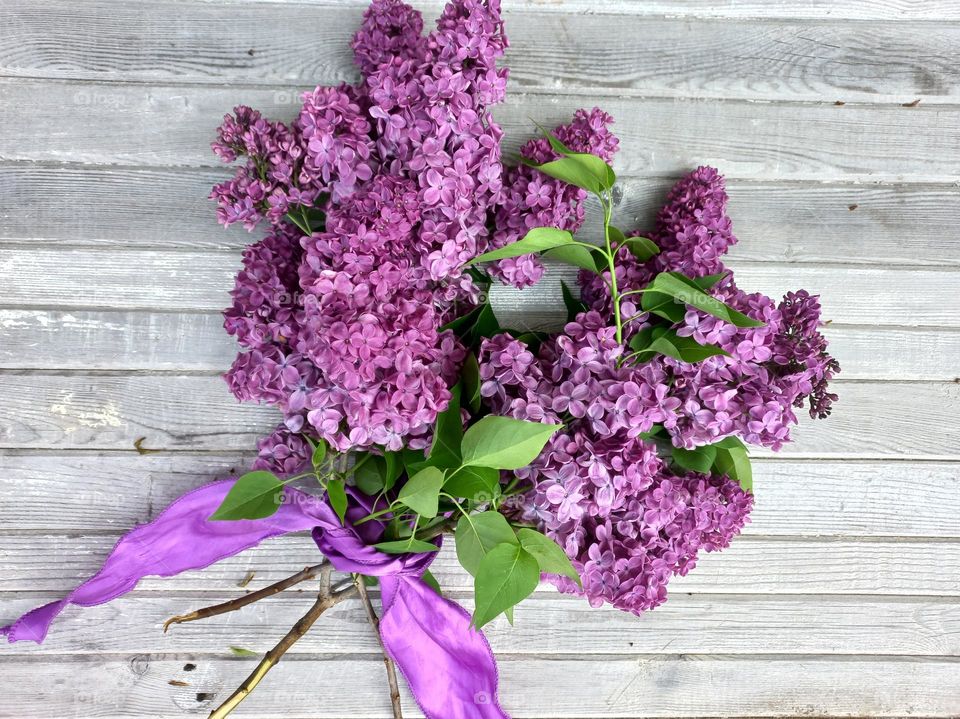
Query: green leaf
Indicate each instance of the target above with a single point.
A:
(580, 169)
(477, 534)
(393, 468)
(642, 248)
(241, 652)
(663, 305)
(699, 459)
(431, 581)
(573, 304)
(413, 460)
(404, 546)
(576, 255)
(734, 462)
(422, 492)
(617, 237)
(654, 431)
(708, 281)
(447, 433)
(549, 555)
(462, 324)
(475, 325)
(555, 144)
(319, 454)
(338, 497)
(731, 442)
(370, 477)
(504, 442)
(532, 340)
(486, 326)
(536, 240)
(652, 340)
(254, 496)
(684, 290)
(478, 484)
(300, 222)
(470, 374)
(507, 575)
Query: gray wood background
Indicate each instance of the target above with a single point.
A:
(841, 599)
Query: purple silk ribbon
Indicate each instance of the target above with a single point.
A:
(447, 663)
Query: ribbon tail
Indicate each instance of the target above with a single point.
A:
(179, 539)
(448, 664)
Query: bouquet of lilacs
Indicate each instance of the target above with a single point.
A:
(602, 458)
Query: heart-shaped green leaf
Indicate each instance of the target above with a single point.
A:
(478, 484)
(536, 240)
(421, 493)
(447, 433)
(255, 495)
(507, 575)
(573, 304)
(733, 461)
(477, 534)
(504, 442)
(576, 255)
(319, 454)
(684, 290)
(642, 248)
(338, 497)
(699, 459)
(549, 555)
(470, 374)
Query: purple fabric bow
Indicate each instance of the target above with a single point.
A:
(448, 664)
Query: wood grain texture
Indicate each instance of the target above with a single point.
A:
(55, 563)
(178, 412)
(938, 10)
(307, 44)
(782, 222)
(173, 125)
(108, 492)
(201, 280)
(841, 599)
(181, 341)
(665, 686)
(548, 624)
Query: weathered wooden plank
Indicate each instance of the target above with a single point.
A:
(668, 686)
(776, 221)
(166, 125)
(178, 341)
(938, 10)
(751, 565)
(308, 44)
(546, 624)
(94, 411)
(73, 277)
(91, 491)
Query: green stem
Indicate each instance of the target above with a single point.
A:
(614, 291)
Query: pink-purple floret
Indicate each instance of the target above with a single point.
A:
(341, 329)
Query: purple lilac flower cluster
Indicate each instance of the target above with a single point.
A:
(342, 327)
(626, 518)
(599, 488)
(770, 370)
(532, 199)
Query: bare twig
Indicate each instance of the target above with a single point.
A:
(325, 599)
(387, 661)
(235, 604)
